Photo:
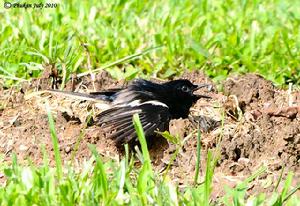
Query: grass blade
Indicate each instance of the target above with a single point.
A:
(54, 139)
(279, 180)
(140, 133)
(99, 179)
(293, 191)
(198, 157)
(210, 167)
(127, 58)
(145, 183)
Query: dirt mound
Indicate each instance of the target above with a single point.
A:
(252, 91)
(269, 129)
(261, 127)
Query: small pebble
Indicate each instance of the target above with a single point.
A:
(23, 148)
(67, 149)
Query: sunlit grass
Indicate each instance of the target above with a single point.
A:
(144, 38)
(219, 37)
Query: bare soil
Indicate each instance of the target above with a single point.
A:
(260, 128)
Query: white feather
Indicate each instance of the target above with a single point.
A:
(137, 103)
(156, 103)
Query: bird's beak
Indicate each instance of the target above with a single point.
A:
(199, 86)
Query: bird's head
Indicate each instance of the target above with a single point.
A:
(179, 96)
(184, 89)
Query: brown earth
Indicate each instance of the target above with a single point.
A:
(261, 128)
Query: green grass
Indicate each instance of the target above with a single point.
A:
(120, 183)
(219, 37)
(144, 38)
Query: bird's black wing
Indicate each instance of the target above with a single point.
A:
(117, 121)
(140, 89)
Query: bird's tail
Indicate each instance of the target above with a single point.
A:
(94, 96)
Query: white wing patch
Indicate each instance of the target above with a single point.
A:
(155, 103)
(134, 103)
(137, 103)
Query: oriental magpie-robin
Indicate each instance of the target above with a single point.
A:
(155, 103)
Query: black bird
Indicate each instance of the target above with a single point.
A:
(155, 103)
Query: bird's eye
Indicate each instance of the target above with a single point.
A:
(184, 88)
